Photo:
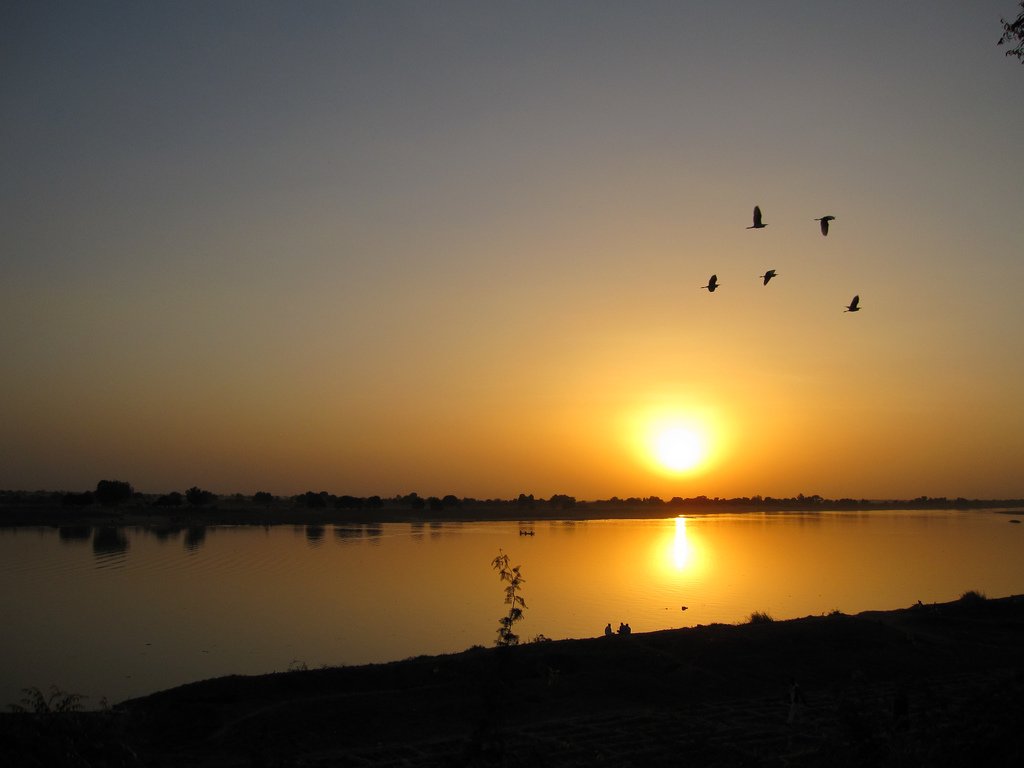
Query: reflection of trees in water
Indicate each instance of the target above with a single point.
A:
(195, 535)
(315, 535)
(348, 533)
(436, 529)
(71, 534)
(164, 532)
(108, 543)
(416, 530)
(374, 531)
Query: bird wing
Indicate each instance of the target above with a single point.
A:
(824, 225)
(856, 300)
(757, 216)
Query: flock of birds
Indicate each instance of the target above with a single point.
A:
(853, 306)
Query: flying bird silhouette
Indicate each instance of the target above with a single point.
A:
(853, 305)
(768, 276)
(824, 223)
(712, 284)
(757, 219)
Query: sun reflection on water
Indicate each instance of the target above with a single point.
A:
(682, 552)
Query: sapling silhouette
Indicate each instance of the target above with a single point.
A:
(515, 601)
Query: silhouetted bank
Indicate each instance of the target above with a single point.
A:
(936, 685)
(123, 506)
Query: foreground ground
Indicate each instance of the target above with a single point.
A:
(936, 685)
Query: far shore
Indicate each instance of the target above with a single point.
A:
(43, 508)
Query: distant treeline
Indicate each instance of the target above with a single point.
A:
(120, 494)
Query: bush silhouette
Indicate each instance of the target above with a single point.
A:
(78, 499)
(197, 496)
(313, 500)
(112, 492)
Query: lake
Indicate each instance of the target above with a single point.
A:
(121, 612)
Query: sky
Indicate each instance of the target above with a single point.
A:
(458, 247)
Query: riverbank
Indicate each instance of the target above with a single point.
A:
(927, 685)
(147, 510)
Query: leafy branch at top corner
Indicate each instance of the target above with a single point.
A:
(1013, 34)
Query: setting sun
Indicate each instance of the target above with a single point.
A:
(674, 439)
(678, 448)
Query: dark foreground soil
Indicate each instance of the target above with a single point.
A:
(935, 685)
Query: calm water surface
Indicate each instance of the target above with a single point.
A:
(121, 612)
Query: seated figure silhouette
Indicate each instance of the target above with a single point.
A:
(624, 629)
(608, 629)
(796, 701)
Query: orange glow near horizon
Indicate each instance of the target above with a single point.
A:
(400, 277)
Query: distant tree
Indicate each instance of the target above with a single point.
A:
(172, 499)
(525, 500)
(78, 499)
(435, 504)
(1013, 34)
(563, 501)
(451, 501)
(197, 497)
(112, 492)
(414, 501)
(262, 497)
(313, 500)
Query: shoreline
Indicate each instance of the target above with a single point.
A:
(144, 512)
(906, 687)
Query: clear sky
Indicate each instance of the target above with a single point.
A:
(383, 247)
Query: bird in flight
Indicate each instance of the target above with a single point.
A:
(853, 305)
(757, 219)
(712, 284)
(767, 276)
(824, 223)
